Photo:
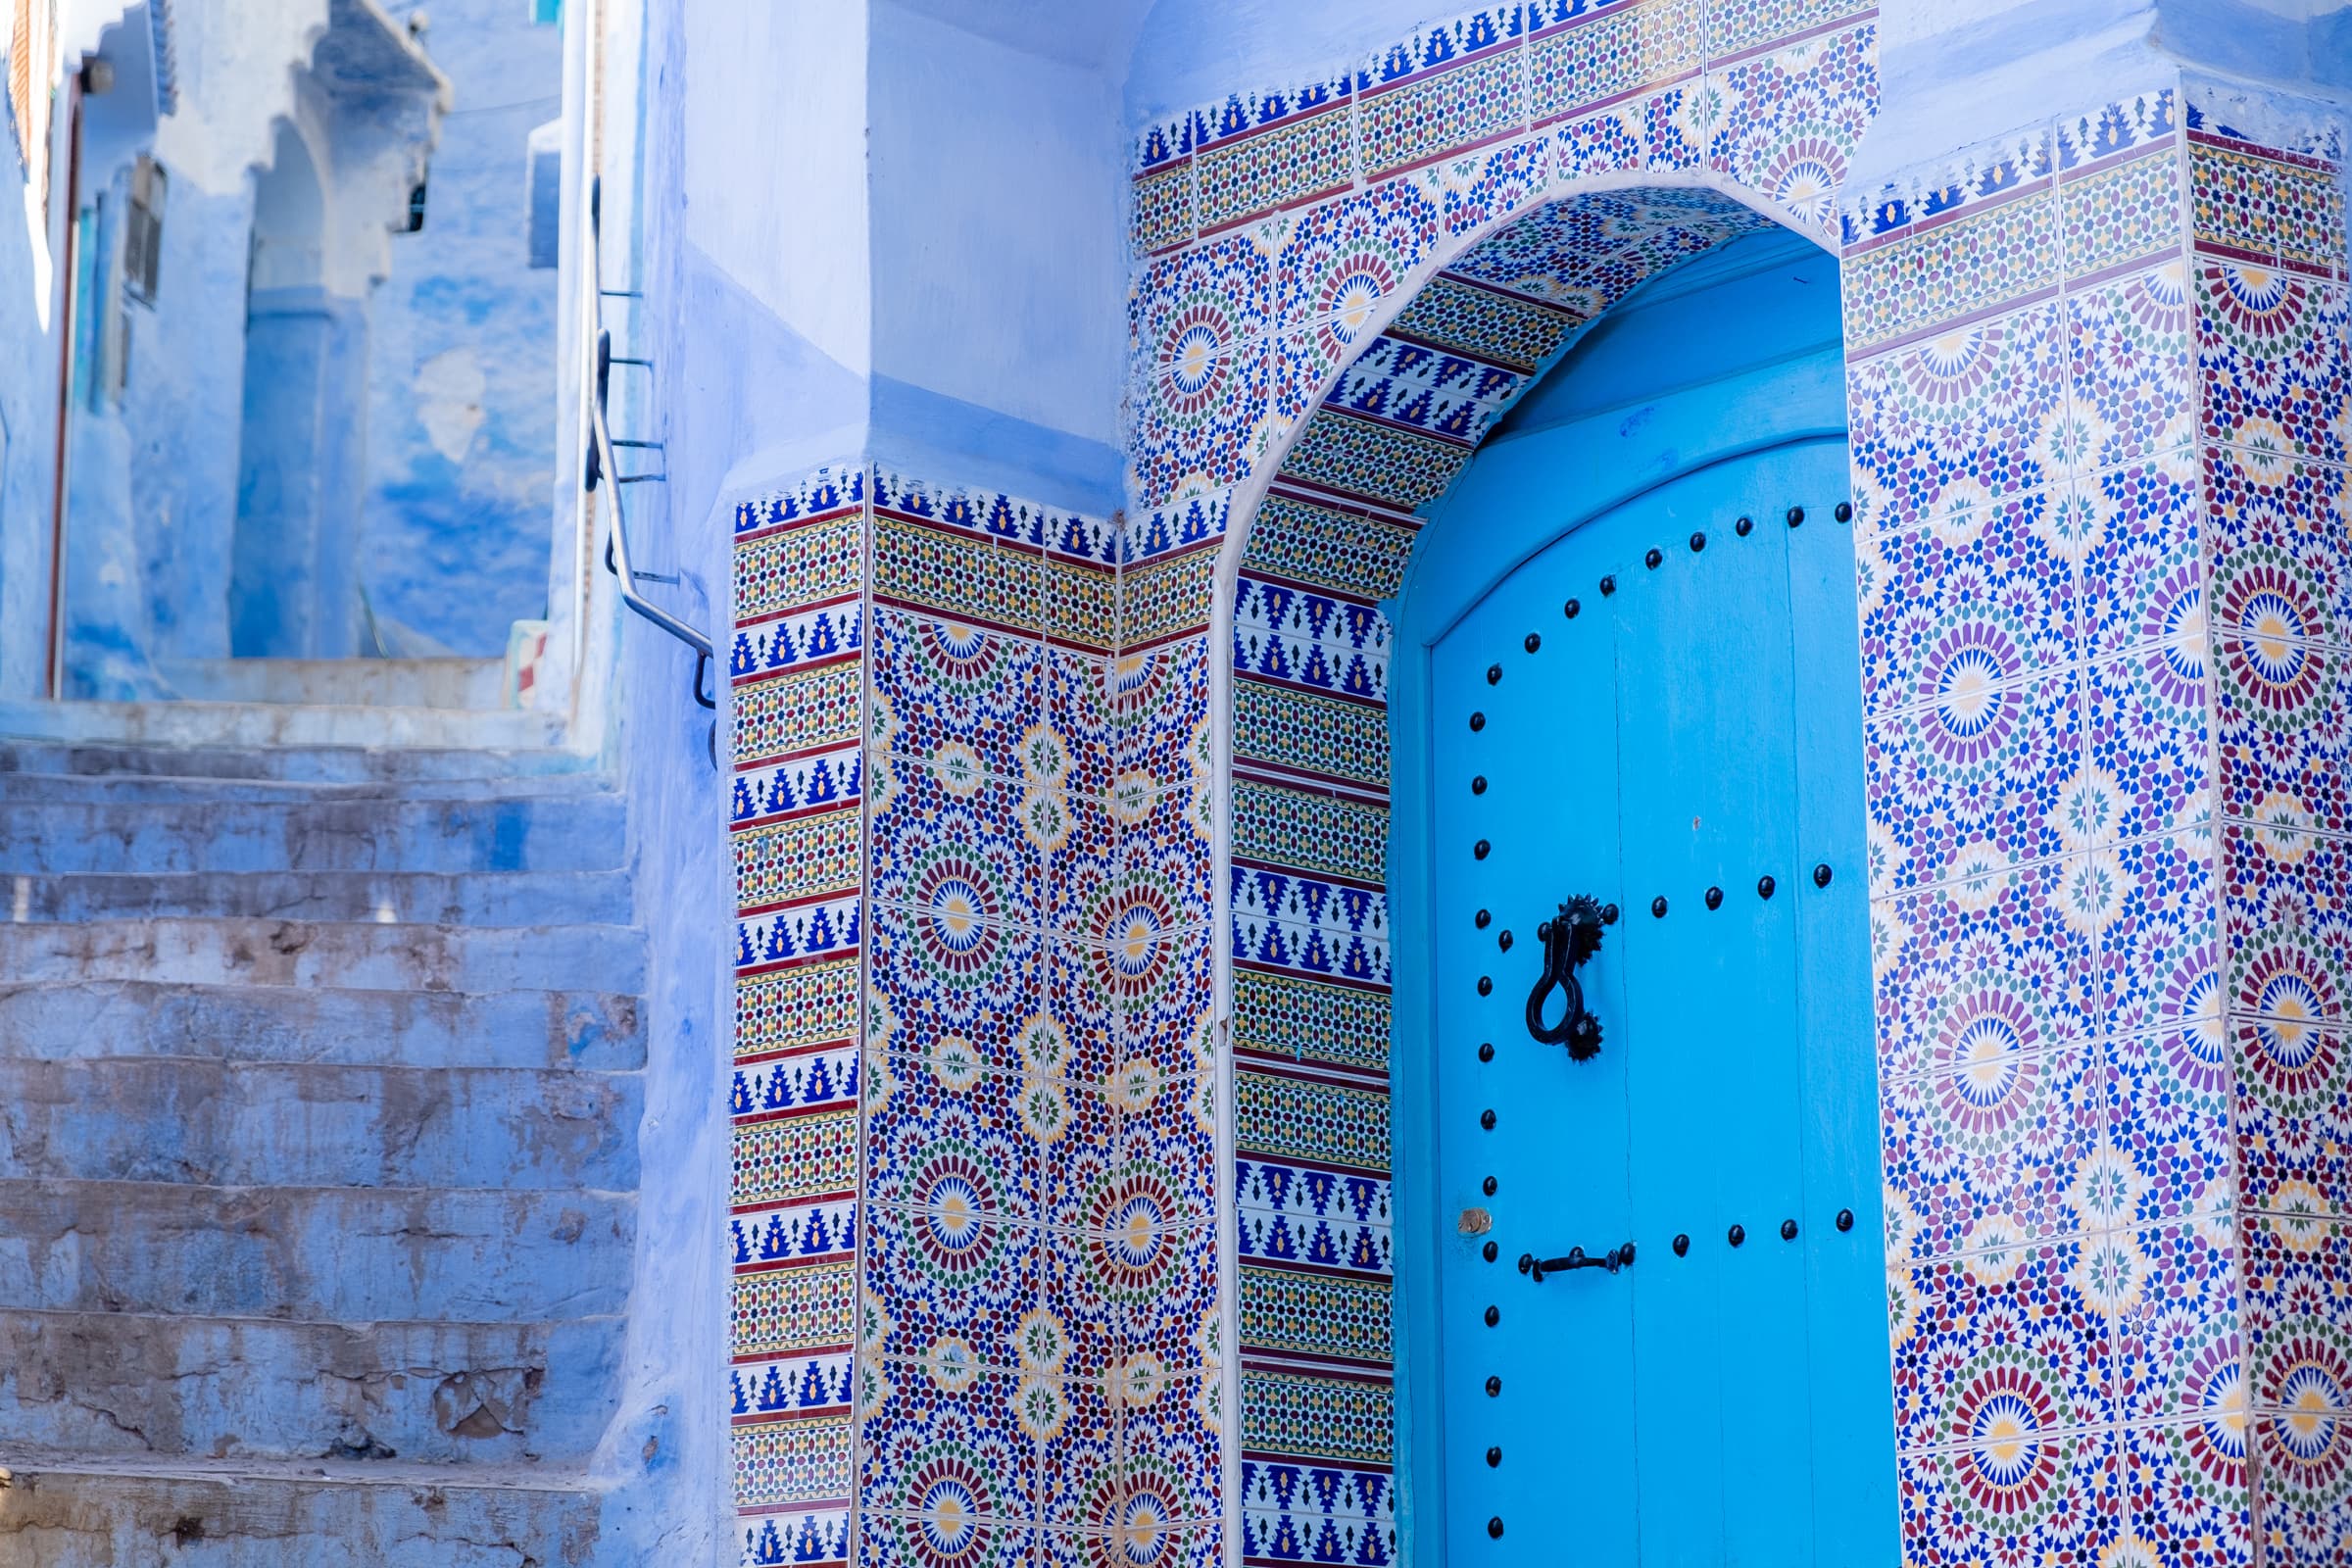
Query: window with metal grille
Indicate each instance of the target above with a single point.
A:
(143, 230)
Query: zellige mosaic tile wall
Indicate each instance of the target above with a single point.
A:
(2097, 380)
(1278, 228)
(2098, 662)
(974, 1144)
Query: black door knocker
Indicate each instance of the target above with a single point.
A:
(1568, 943)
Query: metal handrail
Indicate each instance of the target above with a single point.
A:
(602, 462)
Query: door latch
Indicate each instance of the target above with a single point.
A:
(1615, 1258)
(1569, 942)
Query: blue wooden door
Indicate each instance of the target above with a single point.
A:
(1660, 712)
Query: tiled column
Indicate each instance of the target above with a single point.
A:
(964, 842)
(2268, 287)
(984, 1406)
(2073, 870)
(795, 816)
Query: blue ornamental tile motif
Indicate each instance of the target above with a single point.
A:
(1177, 525)
(816, 929)
(1445, 44)
(777, 790)
(1294, 1213)
(2117, 127)
(806, 1538)
(1310, 638)
(1163, 143)
(824, 490)
(811, 1080)
(1981, 176)
(790, 1385)
(1242, 113)
(1308, 925)
(1296, 1511)
(795, 1232)
(1425, 389)
(800, 638)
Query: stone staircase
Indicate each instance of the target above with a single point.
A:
(320, 1090)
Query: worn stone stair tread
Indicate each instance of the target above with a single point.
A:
(360, 1254)
(511, 834)
(61, 1514)
(517, 1028)
(452, 681)
(311, 1125)
(351, 765)
(151, 1385)
(18, 785)
(32, 1462)
(257, 724)
(348, 954)
(418, 897)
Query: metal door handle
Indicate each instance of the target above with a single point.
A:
(1569, 942)
(1615, 1258)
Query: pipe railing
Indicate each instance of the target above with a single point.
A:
(602, 462)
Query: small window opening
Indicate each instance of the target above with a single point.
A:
(143, 232)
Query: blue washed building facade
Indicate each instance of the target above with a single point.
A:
(1694, 645)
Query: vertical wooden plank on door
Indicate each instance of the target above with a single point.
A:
(1854, 1507)
(1710, 803)
(1556, 1152)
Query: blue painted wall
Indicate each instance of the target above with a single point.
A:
(294, 566)
(461, 387)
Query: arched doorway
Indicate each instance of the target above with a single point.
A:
(303, 434)
(1341, 1208)
(1640, 1269)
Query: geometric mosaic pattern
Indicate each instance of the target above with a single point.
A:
(1277, 229)
(974, 1195)
(2100, 623)
(2100, 446)
(1275, 226)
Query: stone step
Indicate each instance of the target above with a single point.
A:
(513, 898)
(175, 789)
(306, 1124)
(534, 1028)
(446, 836)
(453, 682)
(325, 764)
(231, 1515)
(353, 955)
(259, 724)
(129, 1384)
(345, 1254)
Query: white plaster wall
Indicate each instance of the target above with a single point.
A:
(1189, 53)
(998, 223)
(772, 129)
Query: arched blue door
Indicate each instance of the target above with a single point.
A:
(1657, 712)
(1662, 1297)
